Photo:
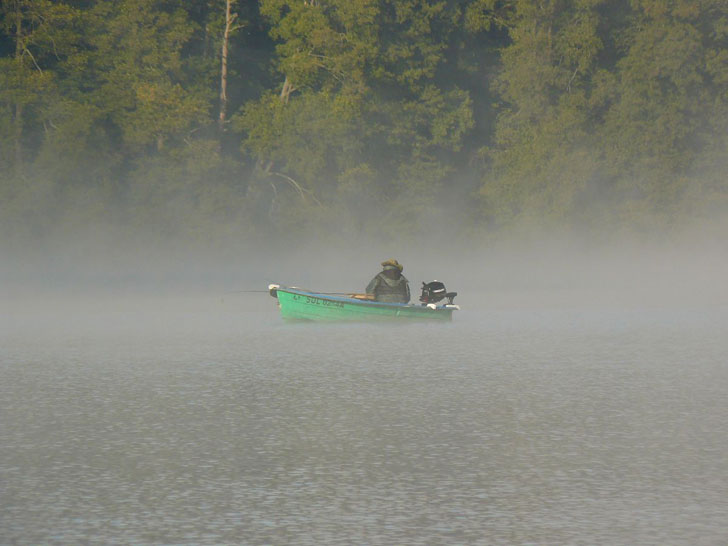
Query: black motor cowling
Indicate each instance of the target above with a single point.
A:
(435, 291)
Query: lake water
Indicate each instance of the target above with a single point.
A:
(203, 422)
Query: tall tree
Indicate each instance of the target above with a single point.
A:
(667, 107)
(303, 140)
(542, 159)
(38, 30)
(607, 108)
(36, 110)
(360, 104)
(140, 66)
(229, 29)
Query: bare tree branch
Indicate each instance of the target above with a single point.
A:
(301, 190)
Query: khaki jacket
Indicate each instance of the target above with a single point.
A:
(389, 290)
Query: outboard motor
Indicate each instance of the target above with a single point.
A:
(435, 291)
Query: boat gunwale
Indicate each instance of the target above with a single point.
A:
(365, 303)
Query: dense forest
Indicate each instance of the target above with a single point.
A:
(219, 120)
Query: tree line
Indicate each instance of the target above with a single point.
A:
(208, 118)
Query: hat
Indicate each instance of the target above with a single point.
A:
(392, 264)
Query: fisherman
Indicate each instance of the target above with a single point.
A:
(390, 285)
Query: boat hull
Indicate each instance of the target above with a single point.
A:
(311, 306)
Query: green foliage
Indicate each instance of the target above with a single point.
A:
(360, 95)
(542, 142)
(142, 85)
(360, 116)
(578, 138)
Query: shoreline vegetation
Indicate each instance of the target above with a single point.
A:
(208, 123)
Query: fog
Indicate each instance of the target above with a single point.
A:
(152, 393)
(686, 267)
(561, 169)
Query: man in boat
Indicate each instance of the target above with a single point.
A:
(390, 285)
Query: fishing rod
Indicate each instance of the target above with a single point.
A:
(297, 288)
(355, 295)
(248, 292)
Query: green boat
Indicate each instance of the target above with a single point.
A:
(298, 304)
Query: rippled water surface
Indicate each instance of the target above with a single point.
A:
(208, 424)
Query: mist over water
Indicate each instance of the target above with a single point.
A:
(562, 169)
(578, 396)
